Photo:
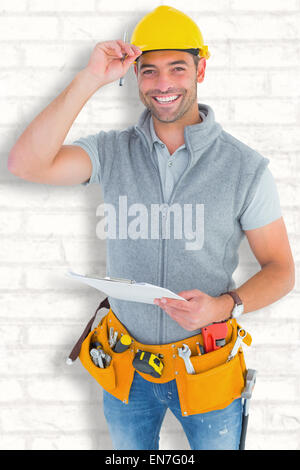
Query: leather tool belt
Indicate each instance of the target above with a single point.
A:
(215, 384)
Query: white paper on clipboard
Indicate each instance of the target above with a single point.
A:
(126, 289)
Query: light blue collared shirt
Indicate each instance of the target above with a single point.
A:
(172, 166)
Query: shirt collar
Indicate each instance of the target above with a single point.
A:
(152, 132)
(196, 136)
(149, 129)
(145, 124)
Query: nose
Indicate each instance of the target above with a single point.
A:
(162, 82)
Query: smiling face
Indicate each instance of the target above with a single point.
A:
(167, 83)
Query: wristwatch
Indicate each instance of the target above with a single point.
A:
(238, 308)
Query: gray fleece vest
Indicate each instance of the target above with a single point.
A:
(188, 242)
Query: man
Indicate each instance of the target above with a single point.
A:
(178, 158)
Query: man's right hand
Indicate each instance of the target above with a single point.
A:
(38, 158)
(106, 63)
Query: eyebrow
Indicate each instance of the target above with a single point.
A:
(143, 66)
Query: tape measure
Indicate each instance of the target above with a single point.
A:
(148, 363)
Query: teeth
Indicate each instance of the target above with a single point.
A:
(167, 99)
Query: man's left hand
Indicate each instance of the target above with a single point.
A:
(200, 310)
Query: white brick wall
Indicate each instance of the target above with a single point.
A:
(252, 83)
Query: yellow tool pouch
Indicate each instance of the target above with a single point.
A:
(215, 384)
(117, 377)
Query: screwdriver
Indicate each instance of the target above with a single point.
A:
(123, 58)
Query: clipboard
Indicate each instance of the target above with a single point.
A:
(126, 289)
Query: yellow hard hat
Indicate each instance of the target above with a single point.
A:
(168, 28)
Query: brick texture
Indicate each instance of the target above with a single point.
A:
(252, 83)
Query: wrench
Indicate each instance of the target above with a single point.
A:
(113, 336)
(97, 359)
(241, 335)
(185, 353)
(104, 358)
(94, 354)
(98, 355)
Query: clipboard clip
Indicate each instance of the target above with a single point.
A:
(116, 279)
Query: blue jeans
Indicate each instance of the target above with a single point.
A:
(136, 425)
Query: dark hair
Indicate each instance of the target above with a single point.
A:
(196, 60)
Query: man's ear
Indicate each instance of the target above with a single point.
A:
(201, 70)
(135, 69)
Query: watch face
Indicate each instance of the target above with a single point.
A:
(238, 310)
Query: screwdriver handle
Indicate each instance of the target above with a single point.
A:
(123, 344)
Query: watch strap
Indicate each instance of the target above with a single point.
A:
(237, 302)
(235, 297)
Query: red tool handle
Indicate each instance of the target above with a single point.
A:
(211, 333)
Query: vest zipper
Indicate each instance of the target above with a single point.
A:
(169, 203)
(163, 240)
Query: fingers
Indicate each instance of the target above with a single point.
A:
(120, 48)
(128, 49)
(189, 294)
(168, 302)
